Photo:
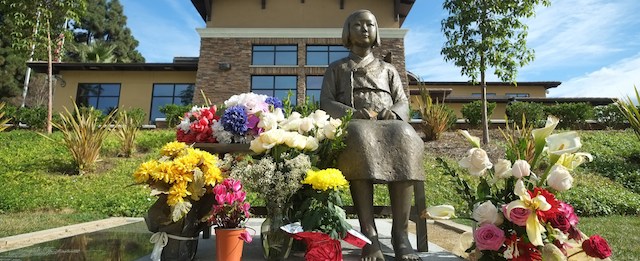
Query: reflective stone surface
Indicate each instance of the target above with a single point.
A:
(128, 242)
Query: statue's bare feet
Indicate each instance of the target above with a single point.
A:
(372, 252)
(403, 250)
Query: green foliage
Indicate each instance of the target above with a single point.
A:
(593, 195)
(631, 111)
(472, 112)
(616, 156)
(137, 116)
(83, 134)
(572, 115)
(34, 117)
(610, 116)
(11, 113)
(531, 111)
(154, 139)
(622, 233)
(174, 113)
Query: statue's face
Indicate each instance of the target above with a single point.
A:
(362, 31)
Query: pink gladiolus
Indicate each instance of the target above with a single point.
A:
(230, 198)
(220, 198)
(246, 237)
(240, 196)
(489, 237)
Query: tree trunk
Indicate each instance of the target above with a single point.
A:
(49, 80)
(485, 122)
(27, 75)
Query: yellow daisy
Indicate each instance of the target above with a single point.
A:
(144, 171)
(173, 149)
(326, 179)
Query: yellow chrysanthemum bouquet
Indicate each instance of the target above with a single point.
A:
(320, 210)
(182, 174)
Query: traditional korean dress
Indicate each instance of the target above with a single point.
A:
(381, 150)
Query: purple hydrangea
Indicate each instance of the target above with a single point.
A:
(277, 103)
(234, 120)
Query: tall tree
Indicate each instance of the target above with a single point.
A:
(52, 14)
(488, 33)
(106, 25)
(12, 65)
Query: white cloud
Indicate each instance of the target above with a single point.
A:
(616, 80)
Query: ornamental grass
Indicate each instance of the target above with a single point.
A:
(127, 129)
(436, 118)
(3, 121)
(631, 111)
(83, 134)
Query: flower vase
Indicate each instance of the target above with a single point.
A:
(188, 228)
(276, 243)
(229, 244)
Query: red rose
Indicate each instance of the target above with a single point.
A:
(596, 246)
(560, 222)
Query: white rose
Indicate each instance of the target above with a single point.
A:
(487, 213)
(306, 125)
(268, 121)
(257, 146)
(330, 130)
(503, 169)
(320, 118)
(312, 144)
(477, 162)
(559, 178)
(295, 140)
(521, 168)
(292, 123)
(272, 137)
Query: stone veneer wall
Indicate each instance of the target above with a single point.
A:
(218, 85)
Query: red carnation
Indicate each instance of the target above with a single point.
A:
(545, 216)
(596, 246)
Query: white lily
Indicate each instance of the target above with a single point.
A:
(475, 141)
(540, 135)
(573, 160)
(441, 212)
(561, 143)
(533, 226)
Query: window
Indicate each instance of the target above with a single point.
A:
(277, 86)
(517, 95)
(274, 55)
(102, 96)
(325, 54)
(489, 95)
(314, 84)
(169, 93)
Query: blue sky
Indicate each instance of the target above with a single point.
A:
(591, 46)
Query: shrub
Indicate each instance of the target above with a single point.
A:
(35, 117)
(154, 139)
(436, 118)
(531, 111)
(127, 128)
(83, 135)
(472, 112)
(610, 116)
(137, 116)
(10, 113)
(631, 112)
(593, 195)
(571, 115)
(173, 113)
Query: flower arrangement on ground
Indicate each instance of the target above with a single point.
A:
(236, 123)
(183, 174)
(517, 212)
(230, 210)
(182, 178)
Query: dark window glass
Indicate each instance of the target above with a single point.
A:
(102, 96)
(325, 54)
(169, 93)
(313, 87)
(489, 95)
(274, 55)
(275, 85)
(517, 95)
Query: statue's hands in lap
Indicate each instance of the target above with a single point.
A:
(386, 114)
(364, 114)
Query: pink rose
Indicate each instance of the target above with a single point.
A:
(489, 237)
(518, 216)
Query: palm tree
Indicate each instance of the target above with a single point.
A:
(96, 52)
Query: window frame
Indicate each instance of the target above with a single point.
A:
(173, 97)
(99, 96)
(274, 88)
(306, 86)
(327, 53)
(256, 48)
